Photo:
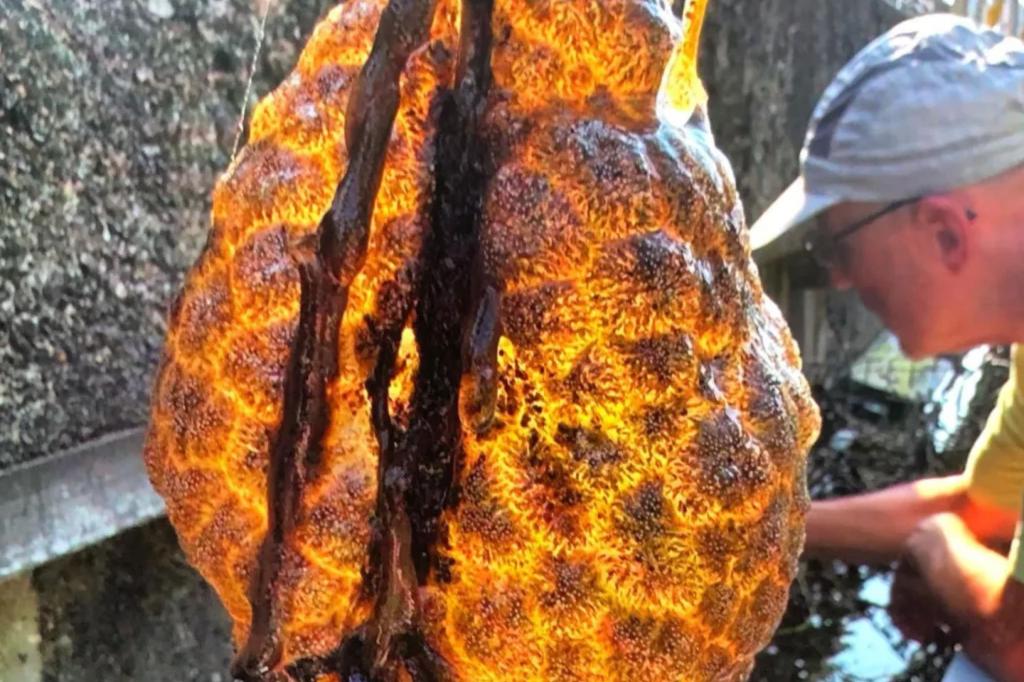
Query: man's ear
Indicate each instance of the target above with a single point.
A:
(946, 225)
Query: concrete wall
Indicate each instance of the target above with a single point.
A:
(127, 610)
(115, 118)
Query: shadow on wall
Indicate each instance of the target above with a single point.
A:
(128, 609)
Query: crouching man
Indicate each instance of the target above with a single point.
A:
(912, 193)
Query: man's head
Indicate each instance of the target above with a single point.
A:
(912, 190)
(944, 271)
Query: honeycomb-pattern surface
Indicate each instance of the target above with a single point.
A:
(635, 510)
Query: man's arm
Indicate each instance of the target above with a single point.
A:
(975, 588)
(874, 528)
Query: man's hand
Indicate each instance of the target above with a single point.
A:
(913, 607)
(874, 528)
(970, 585)
(965, 575)
(934, 539)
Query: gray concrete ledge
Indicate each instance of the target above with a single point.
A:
(64, 503)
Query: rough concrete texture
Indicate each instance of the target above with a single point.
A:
(115, 118)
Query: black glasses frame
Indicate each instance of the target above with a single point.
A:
(821, 245)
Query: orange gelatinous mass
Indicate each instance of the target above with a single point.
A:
(627, 491)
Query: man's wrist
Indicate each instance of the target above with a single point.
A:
(966, 576)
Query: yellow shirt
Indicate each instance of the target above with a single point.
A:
(995, 468)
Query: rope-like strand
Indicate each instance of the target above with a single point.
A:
(260, 35)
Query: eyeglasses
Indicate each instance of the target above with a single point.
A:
(825, 246)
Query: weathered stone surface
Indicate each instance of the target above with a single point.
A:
(115, 118)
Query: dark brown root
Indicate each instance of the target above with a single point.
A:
(327, 269)
(417, 465)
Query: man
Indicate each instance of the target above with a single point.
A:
(913, 178)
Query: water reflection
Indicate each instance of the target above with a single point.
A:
(871, 649)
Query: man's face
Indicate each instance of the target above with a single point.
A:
(890, 271)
